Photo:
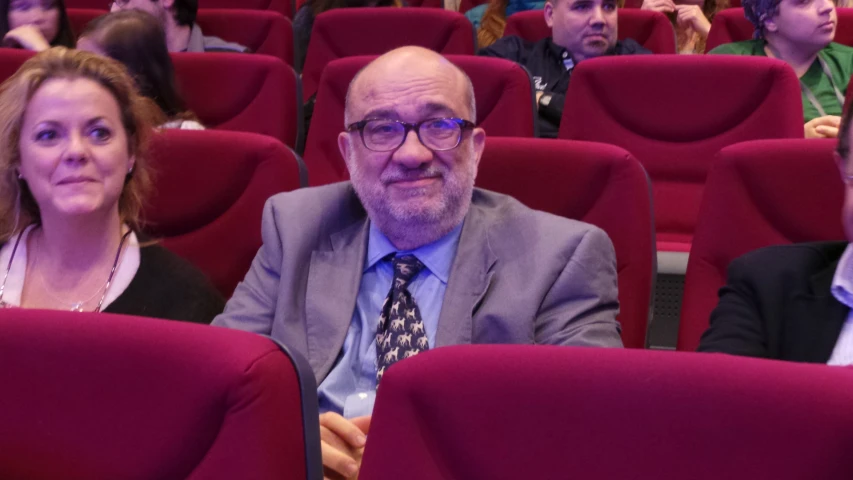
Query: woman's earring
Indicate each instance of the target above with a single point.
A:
(20, 177)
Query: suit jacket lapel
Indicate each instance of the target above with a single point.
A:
(333, 282)
(822, 314)
(469, 280)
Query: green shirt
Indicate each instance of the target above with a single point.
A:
(839, 59)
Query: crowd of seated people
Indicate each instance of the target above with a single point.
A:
(408, 255)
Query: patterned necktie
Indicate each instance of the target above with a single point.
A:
(401, 331)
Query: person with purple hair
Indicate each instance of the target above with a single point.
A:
(800, 33)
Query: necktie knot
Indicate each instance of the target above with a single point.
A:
(405, 269)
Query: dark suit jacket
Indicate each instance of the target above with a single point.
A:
(777, 304)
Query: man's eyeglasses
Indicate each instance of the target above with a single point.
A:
(437, 134)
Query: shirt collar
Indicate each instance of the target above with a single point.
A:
(437, 256)
(842, 282)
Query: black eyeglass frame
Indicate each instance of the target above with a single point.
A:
(464, 125)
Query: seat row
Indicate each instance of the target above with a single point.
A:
(108, 396)
(212, 185)
(373, 31)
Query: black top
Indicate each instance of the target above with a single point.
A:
(778, 304)
(167, 286)
(544, 61)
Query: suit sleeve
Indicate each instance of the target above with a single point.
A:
(252, 307)
(736, 324)
(580, 308)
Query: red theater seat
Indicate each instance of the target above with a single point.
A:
(264, 32)
(542, 412)
(210, 189)
(11, 60)
(743, 98)
(95, 395)
(283, 7)
(650, 29)
(503, 91)
(598, 184)
(730, 25)
(228, 91)
(347, 32)
(758, 193)
(247, 93)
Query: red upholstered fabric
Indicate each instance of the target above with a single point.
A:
(542, 412)
(264, 32)
(283, 7)
(730, 25)
(346, 32)
(743, 98)
(598, 184)
(210, 189)
(650, 29)
(107, 396)
(11, 60)
(236, 91)
(758, 193)
(502, 89)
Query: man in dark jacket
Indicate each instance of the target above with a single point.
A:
(792, 302)
(580, 29)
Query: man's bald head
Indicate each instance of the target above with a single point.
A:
(410, 62)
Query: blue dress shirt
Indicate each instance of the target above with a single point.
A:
(350, 387)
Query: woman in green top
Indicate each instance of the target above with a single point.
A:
(800, 33)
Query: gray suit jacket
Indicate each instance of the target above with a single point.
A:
(519, 276)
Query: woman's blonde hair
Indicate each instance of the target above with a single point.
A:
(18, 208)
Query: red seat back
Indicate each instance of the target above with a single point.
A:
(247, 93)
(503, 93)
(595, 183)
(531, 412)
(264, 32)
(743, 98)
(283, 7)
(210, 190)
(347, 32)
(650, 29)
(95, 395)
(730, 25)
(759, 193)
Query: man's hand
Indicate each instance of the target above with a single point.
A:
(823, 127)
(342, 443)
(692, 16)
(665, 6)
(27, 36)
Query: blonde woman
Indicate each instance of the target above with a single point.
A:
(74, 174)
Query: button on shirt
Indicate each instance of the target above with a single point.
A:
(842, 290)
(350, 387)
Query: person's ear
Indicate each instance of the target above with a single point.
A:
(168, 4)
(770, 26)
(548, 11)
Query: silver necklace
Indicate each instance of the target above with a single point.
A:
(76, 306)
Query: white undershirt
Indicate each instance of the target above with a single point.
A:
(842, 290)
(125, 271)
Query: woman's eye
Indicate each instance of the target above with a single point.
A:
(46, 135)
(100, 134)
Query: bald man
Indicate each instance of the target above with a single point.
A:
(409, 256)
